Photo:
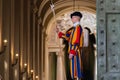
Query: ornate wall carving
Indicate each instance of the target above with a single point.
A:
(64, 23)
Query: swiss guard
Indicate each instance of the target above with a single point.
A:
(74, 37)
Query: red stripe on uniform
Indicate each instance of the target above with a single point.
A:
(78, 36)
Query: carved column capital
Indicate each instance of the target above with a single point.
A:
(39, 20)
(59, 54)
(35, 9)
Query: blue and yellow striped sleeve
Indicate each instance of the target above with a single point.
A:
(66, 36)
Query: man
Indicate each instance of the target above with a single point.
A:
(74, 37)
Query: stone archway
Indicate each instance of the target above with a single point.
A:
(48, 21)
(52, 40)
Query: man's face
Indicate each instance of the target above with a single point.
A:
(75, 19)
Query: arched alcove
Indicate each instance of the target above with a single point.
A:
(62, 12)
(64, 23)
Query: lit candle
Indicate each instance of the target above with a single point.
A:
(5, 42)
(36, 77)
(31, 71)
(25, 65)
(17, 55)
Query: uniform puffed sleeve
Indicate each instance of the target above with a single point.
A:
(67, 35)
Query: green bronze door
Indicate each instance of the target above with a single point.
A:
(108, 41)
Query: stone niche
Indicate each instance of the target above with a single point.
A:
(64, 23)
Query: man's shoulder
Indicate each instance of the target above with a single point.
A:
(79, 26)
(70, 29)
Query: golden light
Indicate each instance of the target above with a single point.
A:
(25, 65)
(17, 55)
(5, 41)
(36, 77)
(31, 71)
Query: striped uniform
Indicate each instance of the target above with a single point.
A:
(75, 38)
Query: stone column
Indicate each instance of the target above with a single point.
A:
(6, 21)
(35, 54)
(60, 67)
(1, 40)
(39, 50)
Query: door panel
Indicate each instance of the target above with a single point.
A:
(108, 39)
(113, 42)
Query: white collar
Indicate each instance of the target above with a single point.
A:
(75, 24)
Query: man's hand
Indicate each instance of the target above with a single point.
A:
(72, 53)
(60, 34)
(70, 56)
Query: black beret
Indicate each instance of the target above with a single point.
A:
(76, 14)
